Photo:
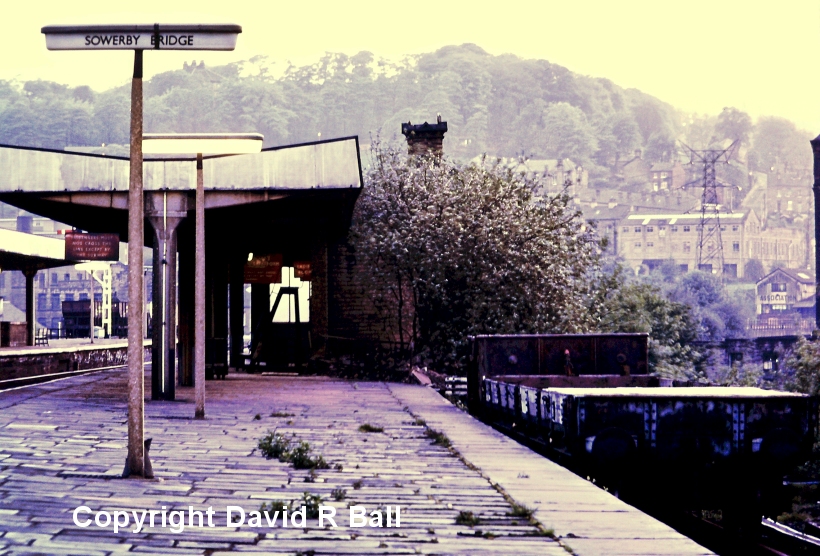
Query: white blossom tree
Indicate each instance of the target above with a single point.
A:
(451, 250)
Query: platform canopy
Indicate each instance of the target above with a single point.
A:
(297, 187)
(22, 251)
(332, 164)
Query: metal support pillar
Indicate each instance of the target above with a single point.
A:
(186, 306)
(135, 464)
(31, 321)
(165, 212)
(199, 293)
(237, 311)
(216, 315)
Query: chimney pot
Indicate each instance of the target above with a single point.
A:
(425, 138)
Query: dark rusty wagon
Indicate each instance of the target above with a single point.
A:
(602, 413)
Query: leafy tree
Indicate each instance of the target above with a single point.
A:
(618, 135)
(557, 130)
(642, 307)
(735, 125)
(718, 315)
(661, 147)
(778, 141)
(803, 367)
(753, 270)
(454, 250)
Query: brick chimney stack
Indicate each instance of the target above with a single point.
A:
(425, 138)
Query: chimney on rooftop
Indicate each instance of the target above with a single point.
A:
(425, 138)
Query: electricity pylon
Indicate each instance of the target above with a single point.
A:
(710, 242)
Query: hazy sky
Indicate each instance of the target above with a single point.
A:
(699, 56)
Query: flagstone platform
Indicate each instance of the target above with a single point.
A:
(62, 445)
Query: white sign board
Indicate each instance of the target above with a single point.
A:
(141, 37)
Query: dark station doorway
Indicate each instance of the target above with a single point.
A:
(281, 341)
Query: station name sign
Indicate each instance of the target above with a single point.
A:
(141, 37)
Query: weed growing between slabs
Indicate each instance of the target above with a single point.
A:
(275, 445)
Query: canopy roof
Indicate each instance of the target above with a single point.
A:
(22, 251)
(332, 164)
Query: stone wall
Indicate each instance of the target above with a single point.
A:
(26, 363)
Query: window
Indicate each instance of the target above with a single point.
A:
(723, 228)
(41, 301)
(83, 296)
(735, 247)
(778, 287)
(650, 229)
(649, 245)
(674, 228)
(625, 229)
(53, 276)
(638, 244)
(687, 247)
(734, 228)
(69, 297)
(686, 228)
(55, 302)
(2, 280)
(79, 276)
(67, 277)
(637, 229)
(42, 280)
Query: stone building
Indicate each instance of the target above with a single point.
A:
(666, 176)
(785, 292)
(54, 285)
(647, 240)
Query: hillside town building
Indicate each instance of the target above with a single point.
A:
(645, 241)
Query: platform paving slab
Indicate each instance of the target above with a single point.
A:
(62, 445)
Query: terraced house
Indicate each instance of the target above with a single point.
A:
(647, 240)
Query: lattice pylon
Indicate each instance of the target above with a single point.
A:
(710, 241)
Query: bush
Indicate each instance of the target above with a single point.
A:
(467, 518)
(274, 445)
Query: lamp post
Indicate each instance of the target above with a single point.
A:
(138, 38)
(201, 143)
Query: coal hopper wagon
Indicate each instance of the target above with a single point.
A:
(590, 402)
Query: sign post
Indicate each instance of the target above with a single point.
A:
(138, 38)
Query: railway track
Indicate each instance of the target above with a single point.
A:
(48, 377)
(775, 539)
